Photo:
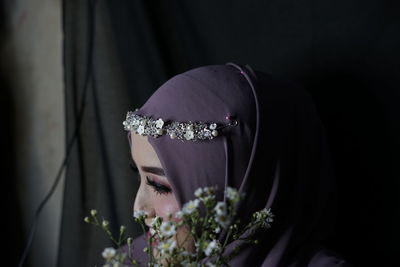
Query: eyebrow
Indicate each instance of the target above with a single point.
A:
(154, 170)
(150, 169)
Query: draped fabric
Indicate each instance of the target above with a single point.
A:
(344, 53)
(277, 155)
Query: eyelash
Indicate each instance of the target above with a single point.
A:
(158, 188)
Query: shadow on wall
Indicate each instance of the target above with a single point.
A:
(363, 146)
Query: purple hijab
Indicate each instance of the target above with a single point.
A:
(277, 154)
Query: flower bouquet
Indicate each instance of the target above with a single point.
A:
(204, 218)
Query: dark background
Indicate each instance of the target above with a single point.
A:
(11, 222)
(344, 52)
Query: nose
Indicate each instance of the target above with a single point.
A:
(142, 202)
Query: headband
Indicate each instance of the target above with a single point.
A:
(189, 131)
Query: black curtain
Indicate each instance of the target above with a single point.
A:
(12, 231)
(344, 52)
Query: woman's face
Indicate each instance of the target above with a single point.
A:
(155, 195)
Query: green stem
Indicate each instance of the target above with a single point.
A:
(150, 252)
(202, 234)
(129, 250)
(111, 237)
(119, 238)
(224, 245)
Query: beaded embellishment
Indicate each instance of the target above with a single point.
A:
(193, 131)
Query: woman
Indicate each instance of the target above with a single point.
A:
(264, 138)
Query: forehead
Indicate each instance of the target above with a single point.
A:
(142, 151)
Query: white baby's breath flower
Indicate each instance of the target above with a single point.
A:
(155, 221)
(167, 229)
(222, 220)
(93, 212)
(232, 194)
(269, 213)
(197, 246)
(212, 247)
(190, 206)
(264, 217)
(105, 223)
(210, 190)
(206, 199)
(152, 231)
(269, 217)
(108, 253)
(179, 214)
(198, 192)
(166, 247)
(220, 208)
(139, 213)
(186, 254)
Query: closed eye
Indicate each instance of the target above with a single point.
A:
(158, 188)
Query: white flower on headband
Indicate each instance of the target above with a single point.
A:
(189, 135)
(159, 123)
(140, 129)
(144, 125)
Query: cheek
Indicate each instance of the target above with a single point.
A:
(166, 205)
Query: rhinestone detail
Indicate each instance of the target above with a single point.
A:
(186, 131)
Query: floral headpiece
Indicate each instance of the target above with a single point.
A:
(144, 125)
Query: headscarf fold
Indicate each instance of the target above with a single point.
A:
(278, 155)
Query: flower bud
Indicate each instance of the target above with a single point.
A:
(87, 220)
(122, 229)
(130, 240)
(93, 212)
(105, 223)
